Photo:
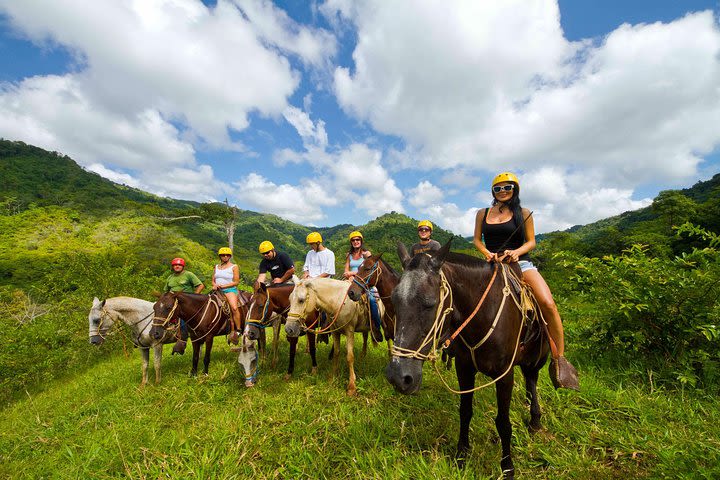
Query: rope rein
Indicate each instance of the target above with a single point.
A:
(526, 299)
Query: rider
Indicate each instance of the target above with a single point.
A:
(181, 280)
(320, 260)
(426, 244)
(357, 253)
(506, 232)
(279, 264)
(226, 278)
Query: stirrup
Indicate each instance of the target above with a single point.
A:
(563, 374)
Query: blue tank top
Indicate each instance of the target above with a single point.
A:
(355, 264)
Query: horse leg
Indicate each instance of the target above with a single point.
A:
(313, 351)
(466, 381)
(531, 377)
(145, 360)
(350, 344)
(208, 349)
(157, 359)
(196, 357)
(389, 347)
(364, 349)
(336, 353)
(291, 364)
(503, 392)
(276, 341)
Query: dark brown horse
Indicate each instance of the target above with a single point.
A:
(268, 307)
(437, 293)
(376, 272)
(204, 315)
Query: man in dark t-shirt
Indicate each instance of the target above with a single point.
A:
(426, 244)
(279, 264)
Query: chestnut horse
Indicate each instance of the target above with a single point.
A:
(376, 272)
(476, 310)
(204, 315)
(269, 306)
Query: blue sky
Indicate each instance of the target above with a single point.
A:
(337, 111)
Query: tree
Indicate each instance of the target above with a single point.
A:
(675, 207)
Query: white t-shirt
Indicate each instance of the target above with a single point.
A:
(317, 263)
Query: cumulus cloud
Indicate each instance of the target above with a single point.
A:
(425, 193)
(303, 203)
(153, 79)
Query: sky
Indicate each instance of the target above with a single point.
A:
(339, 111)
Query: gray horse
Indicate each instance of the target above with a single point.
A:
(138, 315)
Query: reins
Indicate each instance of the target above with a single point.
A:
(433, 336)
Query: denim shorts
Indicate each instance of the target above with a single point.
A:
(526, 265)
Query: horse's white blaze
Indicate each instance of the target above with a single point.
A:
(406, 292)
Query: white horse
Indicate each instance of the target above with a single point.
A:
(249, 358)
(138, 315)
(344, 316)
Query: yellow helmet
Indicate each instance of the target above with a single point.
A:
(313, 237)
(265, 247)
(425, 223)
(505, 177)
(355, 234)
(224, 251)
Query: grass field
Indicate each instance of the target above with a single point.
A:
(100, 424)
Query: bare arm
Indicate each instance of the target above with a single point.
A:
(199, 288)
(477, 237)
(530, 243)
(261, 278)
(289, 273)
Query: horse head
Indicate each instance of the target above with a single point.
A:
(99, 322)
(366, 277)
(248, 358)
(419, 304)
(302, 301)
(164, 318)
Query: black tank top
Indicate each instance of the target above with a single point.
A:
(496, 234)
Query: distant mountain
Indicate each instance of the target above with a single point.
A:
(35, 178)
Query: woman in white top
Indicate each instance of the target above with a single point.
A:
(226, 278)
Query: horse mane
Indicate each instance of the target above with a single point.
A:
(389, 268)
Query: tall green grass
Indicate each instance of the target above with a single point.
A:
(99, 423)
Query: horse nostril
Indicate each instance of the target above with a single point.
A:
(408, 380)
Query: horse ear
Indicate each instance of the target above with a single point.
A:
(102, 304)
(439, 256)
(96, 302)
(379, 257)
(403, 254)
(263, 287)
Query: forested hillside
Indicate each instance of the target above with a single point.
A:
(67, 235)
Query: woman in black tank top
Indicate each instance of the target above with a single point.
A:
(505, 232)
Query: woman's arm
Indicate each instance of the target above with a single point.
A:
(347, 273)
(530, 243)
(477, 237)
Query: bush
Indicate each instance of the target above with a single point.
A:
(662, 312)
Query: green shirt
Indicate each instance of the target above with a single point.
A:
(183, 282)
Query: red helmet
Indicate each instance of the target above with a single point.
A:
(177, 261)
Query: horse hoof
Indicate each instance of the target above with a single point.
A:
(352, 393)
(249, 383)
(313, 371)
(287, 377)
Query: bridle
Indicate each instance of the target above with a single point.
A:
(433, 337)
(265, 320)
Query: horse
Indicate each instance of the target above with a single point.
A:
(135, 313)
(269, 306)
(440, 294)
(376, 272)
(328, 295)
(249, 360)
(205, 316)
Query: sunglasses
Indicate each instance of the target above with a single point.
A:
(225, 255)
(267, 253)
(423, 229)
(503, 188)
(356, 240)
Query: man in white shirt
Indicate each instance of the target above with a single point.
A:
(320, 261)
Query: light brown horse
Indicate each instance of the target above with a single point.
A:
(345, 317)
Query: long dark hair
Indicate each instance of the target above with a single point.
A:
(513, 204)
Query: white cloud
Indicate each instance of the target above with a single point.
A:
(303, 203)
(424, 194)
(492, 86)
